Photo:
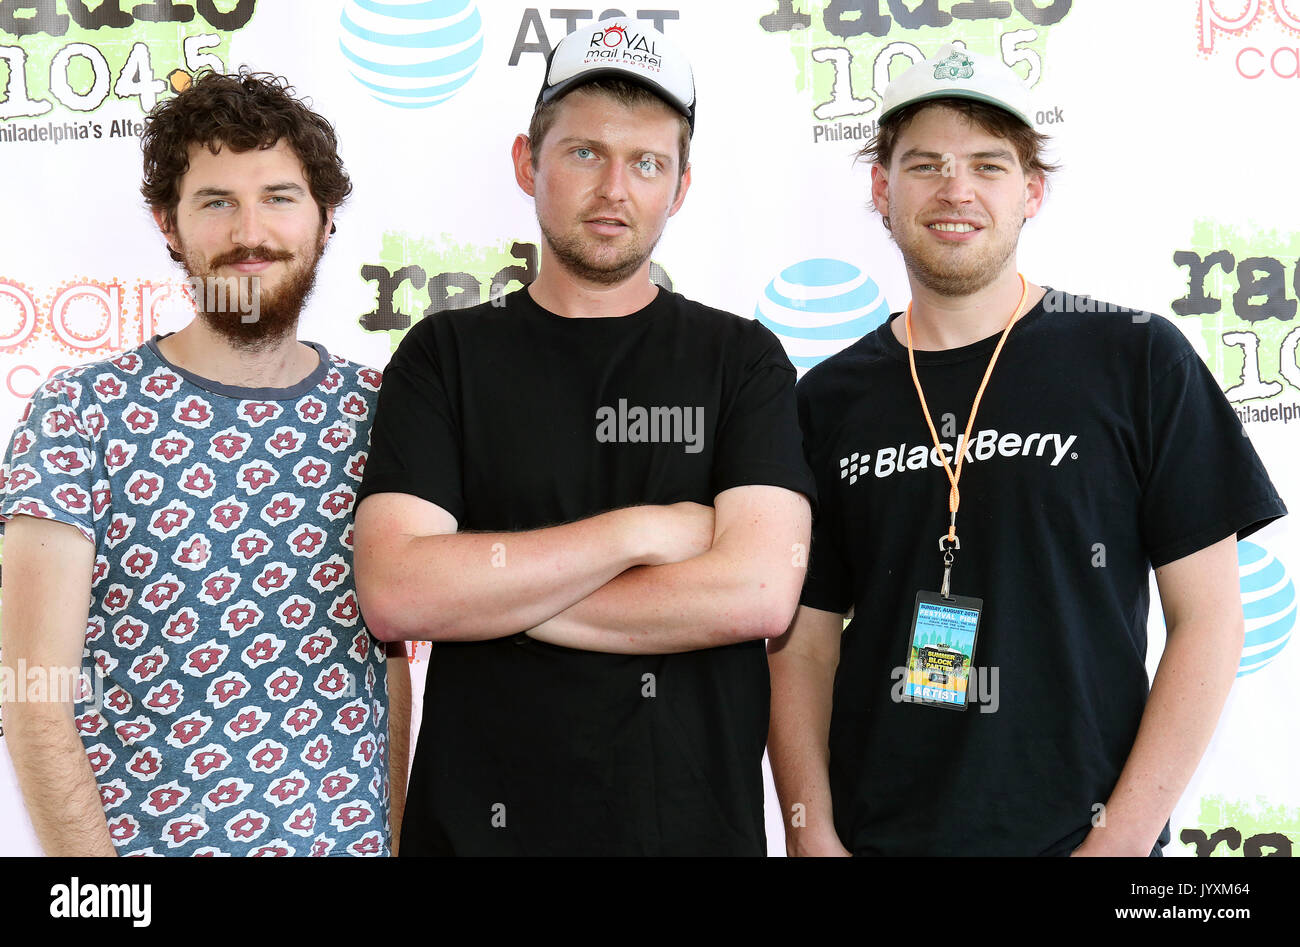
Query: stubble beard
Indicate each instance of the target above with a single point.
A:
(575, 254)
(945, 276)
(277, 311)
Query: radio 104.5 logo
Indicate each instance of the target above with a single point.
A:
(63, 56)
(847, 51)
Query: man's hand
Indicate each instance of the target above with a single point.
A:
(814, 843)
(47, 568)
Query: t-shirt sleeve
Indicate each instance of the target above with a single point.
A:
(1205, 481)
(758, 439)
(828, 583)
(51, 468)
(415, 440)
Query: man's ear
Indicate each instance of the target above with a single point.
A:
(521, 153)
(328, 227)
(683, 184)
(1035, 191)
(160, 219)
(880, 189)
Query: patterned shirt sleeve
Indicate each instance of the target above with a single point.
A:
(54, 468)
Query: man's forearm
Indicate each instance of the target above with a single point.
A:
(477, 586)
(399, 735)
(1187, 695)
(746, 586)
(58, 786)
(802, 664)
(703, 602)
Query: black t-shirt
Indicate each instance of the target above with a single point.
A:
(1102, 446)
(514, 418)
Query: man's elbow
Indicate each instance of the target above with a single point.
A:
(388, 634)
(387, 616)
(768, 613)
(391, 616)
(392, 621)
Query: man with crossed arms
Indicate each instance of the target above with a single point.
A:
(592, 499)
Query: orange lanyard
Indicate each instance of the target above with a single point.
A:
(954, 496)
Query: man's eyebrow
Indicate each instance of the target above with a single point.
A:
(574, 140)
(287, 186)
(999, 154)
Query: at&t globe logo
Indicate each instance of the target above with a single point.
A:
(411, 53)
(1269, 603)
(820, 306)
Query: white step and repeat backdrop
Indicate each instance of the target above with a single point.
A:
(1175, 121)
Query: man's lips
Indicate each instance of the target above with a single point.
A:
(607, 225)
(953, 229)
(254, 261)
(250, 266)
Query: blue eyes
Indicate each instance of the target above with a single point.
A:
(647, 167)
(221, 203)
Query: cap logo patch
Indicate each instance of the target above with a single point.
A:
(956, 66)
(615, 43)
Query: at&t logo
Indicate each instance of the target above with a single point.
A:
(820, 306)
(411, 53)
(1268, 601)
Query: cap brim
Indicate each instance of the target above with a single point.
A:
(551, 93)
(957, 94)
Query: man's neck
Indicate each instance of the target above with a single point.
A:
(943, 322)
(558, 291)
(277, 364)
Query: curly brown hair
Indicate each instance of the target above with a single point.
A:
(240, 111)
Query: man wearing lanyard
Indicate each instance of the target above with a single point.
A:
(990, 695)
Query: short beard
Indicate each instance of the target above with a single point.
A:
(569, 253)
(277, 312)
(948, 283)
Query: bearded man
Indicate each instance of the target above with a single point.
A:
(177, 531)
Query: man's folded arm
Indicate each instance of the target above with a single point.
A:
(47, 571)
(418, 578)
(744, 587)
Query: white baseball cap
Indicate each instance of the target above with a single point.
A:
(621, 46)
(953, 72)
